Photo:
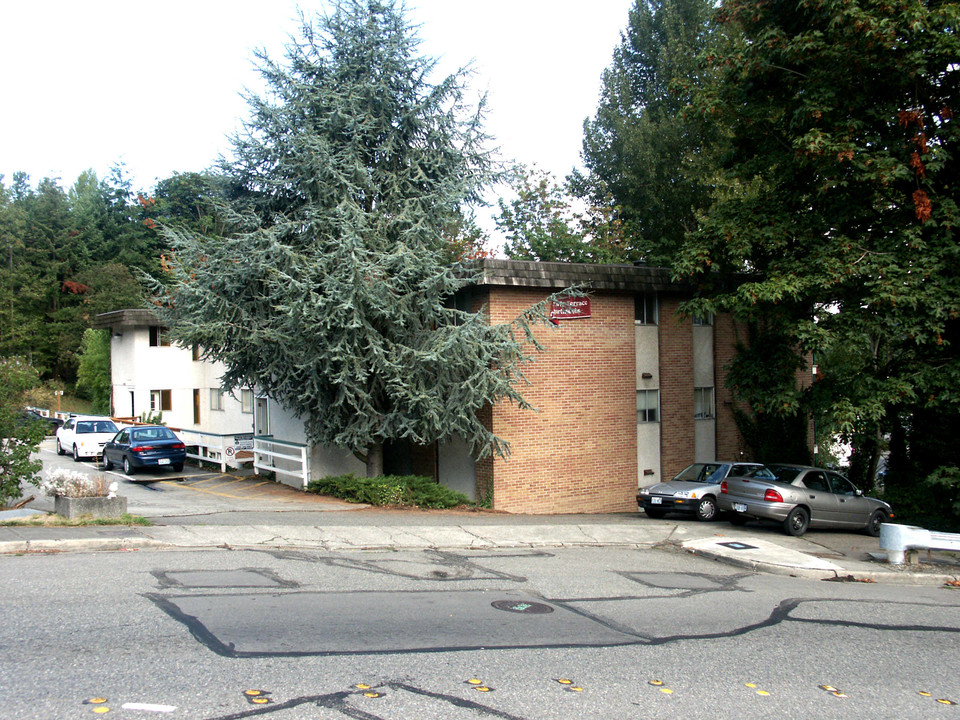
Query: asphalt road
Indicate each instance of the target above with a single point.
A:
(596, 632)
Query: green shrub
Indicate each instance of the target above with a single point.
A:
(412, 490)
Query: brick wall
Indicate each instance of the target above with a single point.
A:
(676, 388)
(579, 452)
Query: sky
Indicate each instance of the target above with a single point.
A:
(157, 86)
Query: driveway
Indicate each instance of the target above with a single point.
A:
(164, 496)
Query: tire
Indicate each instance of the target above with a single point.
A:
(107, 465)
(178, 467)
(797, 522)
(128, 467)
(655, 514)
(76, 455)
(60, 448)
(876, 520)
(737, 519)
(707, 509)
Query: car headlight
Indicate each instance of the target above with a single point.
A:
(644, 492)
(692, 494)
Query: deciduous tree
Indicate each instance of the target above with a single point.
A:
(840, 200)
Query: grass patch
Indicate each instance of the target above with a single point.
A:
(404, 490)
(54, 520)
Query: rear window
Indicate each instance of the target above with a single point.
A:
(159, 433)
(785, 475)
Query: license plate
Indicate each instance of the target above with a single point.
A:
(163, 461)
(656, 501)
(739, 507)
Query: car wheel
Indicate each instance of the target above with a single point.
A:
(178, 467)
(797, 522)
(128, 466)
(876, 520)
(59, 448)
(655, 514)
(76, 455)
(737, 519)
(707, 509)
(107, 465)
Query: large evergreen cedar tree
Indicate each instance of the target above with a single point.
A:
(839, 199)
(645, 157)
(336, 300)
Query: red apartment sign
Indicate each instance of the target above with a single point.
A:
(571, 309)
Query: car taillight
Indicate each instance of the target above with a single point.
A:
(723, 487)
(141, 448)
(772, 496)
(178, 446)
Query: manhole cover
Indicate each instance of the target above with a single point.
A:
(530, 608)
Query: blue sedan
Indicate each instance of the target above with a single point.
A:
(143, 446)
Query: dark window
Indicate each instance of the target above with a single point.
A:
(158, 337)
(816, 481)
(645, 308)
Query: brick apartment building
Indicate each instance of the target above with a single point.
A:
(627, 393)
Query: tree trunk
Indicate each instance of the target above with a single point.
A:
(375, 460)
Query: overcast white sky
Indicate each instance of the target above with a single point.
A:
(88, 83)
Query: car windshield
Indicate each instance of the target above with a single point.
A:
(704, 473)
(96, 426)
(155, 433)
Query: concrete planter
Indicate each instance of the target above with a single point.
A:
(98, 507)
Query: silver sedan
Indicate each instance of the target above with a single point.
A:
(803, 497)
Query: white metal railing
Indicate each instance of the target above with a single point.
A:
(281, 457)
(211, 447)
(898, 539)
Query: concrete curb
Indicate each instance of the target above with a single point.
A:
(838, 574)
(79, 545)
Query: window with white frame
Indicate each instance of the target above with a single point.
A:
(703, 403)
(216, 399)
(160, 400)
(703, 320)
(246, 401)
(645, 308)
(648, 406)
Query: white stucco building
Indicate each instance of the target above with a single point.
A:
(154, 380)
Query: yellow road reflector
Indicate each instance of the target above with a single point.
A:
(362, 686)
(762, 692)
(925, 693)
(750, 685)
(574, 688)
(252, 693)
(657, 683)
(828, 688)
(666, 691)
(564, 681)
(483, 688)
(95, 701)
(474, 681)
(260, 700)
(373, 694)
(838, 694)
(101, 709)
(944, 701)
